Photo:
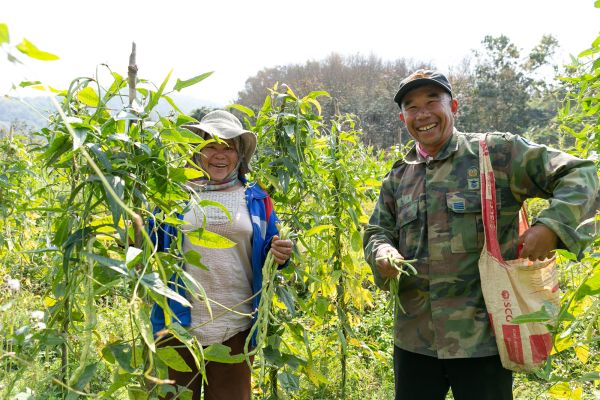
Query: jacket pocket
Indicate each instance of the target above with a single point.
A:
(410, 238)
(464, 218)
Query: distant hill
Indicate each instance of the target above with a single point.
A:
(30, 113)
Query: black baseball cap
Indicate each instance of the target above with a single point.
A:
(419, 78)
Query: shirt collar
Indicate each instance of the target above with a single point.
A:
(414, 156)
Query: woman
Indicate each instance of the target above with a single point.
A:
(234, 276)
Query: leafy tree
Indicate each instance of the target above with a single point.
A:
(199, 113)
(359, 85)
(503, 92)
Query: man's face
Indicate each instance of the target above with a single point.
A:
(428, 112)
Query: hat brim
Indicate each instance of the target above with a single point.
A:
(226, 132)
(415, 84)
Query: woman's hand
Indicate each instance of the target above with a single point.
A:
(281, 249)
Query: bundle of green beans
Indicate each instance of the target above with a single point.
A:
(404, 267)
(267, 291)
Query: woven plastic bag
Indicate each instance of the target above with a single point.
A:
(513, 287)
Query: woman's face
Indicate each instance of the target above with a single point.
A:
(219, 159)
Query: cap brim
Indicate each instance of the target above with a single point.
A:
(415, 84)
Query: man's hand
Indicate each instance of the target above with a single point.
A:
(538, 243)
(386, 270)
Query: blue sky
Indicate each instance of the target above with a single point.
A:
(237, 38)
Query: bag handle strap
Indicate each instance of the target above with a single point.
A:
(488, 201)
(488, 204)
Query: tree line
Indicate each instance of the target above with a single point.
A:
(499, 89)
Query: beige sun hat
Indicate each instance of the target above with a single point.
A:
(225, 125)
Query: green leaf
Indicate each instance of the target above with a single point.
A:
(289, 382)
(286, 297)
(116, 265)
(196, 289)
(133, 254)
(184, 174)
(153, 282)
(156, 96)
(315, 94)
(566, 254)
(118, 187)
(222, 354)
(242, 108)
(536, 316)
(29, 49)
(28, 83)
(50, 89)
(141, 314)
(183, 84)
(590, 376)
(173, 359)
(591, 287)
(356, 241)
(4, 37)
(79, 136)
(209, 240)
(172, 104)
(174, 221)
(210, 203)
(137, 393)
(192, 257)
(88, 96)
(87, 374)
(57, 147)
(181, 136)
(121, 352)
(317, 229)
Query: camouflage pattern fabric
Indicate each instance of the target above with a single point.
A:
(430, 210)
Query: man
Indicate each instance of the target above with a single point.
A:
(429, 209)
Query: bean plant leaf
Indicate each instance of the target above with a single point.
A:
(29, 49)
(181, 136)
(153, 282)
(138, 393)
(173, 359)
(88, 96)
(24, 84)
(591, 287)
(242, 109)
(192, 257)
(184, 174)
(210, 240)
(196, 289)
(86, 376)
(118, 188)
(119, 352)
(189, 82)
(132, 256)
(590, 376)
(116, 265)
(286, 297)
(289, 382)
(209, 203)
(4, 37)
(536, 316)
(46, 88)
(318, 229)
(220, 353)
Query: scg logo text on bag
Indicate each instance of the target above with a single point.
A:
(507, 306)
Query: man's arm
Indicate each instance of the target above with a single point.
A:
(380, 235)
(570, 184)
